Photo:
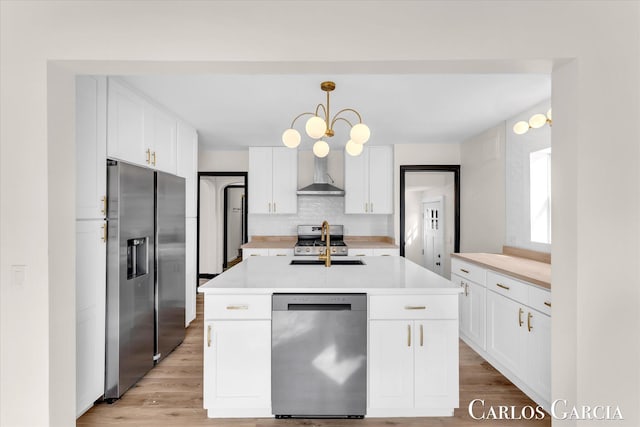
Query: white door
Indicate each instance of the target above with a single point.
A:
(506, 320)
(90, 312)
(436, 363)
(285, 181)
(539, 353)
(356, 183)
(433, 235)
(91, 147)
(260, 180)
(243, 348)
(391, 364)
(380, 180)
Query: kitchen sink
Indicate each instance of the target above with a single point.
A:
(321, 262)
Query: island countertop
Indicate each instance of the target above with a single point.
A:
(380, 275)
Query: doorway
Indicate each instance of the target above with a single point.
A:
(234, 224)
(222, 220)
(430, 215)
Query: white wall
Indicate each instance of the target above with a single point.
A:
(482, 192)
(595, 134)
(517, 199)
(223, 160)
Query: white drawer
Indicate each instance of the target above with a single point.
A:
(540, 299)
(468, 270)
(508, 287)
(386, 251)
(237, 307)
(281, 252)
(246, 253)
(359, 252)
(413, 307)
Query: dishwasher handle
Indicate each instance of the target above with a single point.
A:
(319, 307)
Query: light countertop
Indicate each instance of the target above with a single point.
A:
(529, 270)
(380, 275)
(288, 242)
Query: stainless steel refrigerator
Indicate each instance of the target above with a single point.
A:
(145, 272)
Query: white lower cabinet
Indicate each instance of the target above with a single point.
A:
(249, 252)
(237, 356)
(90, 312)
(519, 340)
(413, 362)
(472, 311)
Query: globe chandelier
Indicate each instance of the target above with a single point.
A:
(535, 122)
(320, 125)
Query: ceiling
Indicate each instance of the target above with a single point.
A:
(240, 110)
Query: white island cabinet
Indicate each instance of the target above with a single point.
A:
(412, 342)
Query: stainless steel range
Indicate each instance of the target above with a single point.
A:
(309, 242)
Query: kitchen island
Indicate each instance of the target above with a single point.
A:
(412, 334)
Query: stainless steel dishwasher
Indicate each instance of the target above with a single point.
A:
(319, 355)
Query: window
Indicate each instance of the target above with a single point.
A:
(540, 195)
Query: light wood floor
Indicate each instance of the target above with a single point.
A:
(171, 395)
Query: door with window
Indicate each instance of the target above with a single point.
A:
(433, 235)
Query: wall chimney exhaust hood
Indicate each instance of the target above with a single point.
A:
(320, 186)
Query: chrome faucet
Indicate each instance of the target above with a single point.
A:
(326, 257)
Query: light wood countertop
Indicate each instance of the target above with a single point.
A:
(535, 272)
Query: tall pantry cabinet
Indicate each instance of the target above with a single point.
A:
(114, 121)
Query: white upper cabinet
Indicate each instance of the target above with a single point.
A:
(188, 166)
(368, 181)
(125, 125)
(161, 133)
(91, 147)
(138, 131)
(273, 180)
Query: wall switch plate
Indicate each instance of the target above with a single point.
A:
(18, 275)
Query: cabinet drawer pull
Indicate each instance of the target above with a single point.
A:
(520, 317)
(371, 207)
(529, 316)
(466, 289)
(500, 285)
(148, 156)
(255, 254)
(269, 207)
(408, 335)
(421, 336)
(104, 205)
(274, 207)
(281, 254)
(414, 307)
(385, 255)
(209, 336)
(464, 271)
(238, 307)
(104, 232)
(366, 207)
(361, 255)
(547, 303)
(154, 158)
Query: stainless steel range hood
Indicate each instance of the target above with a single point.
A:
(320, 186)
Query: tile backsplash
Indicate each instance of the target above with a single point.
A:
(314, 210)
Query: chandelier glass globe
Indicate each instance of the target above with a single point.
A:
(353, 149)
(537, 121)
(360, 133)
(321, 149)
(520, 128)
(291, 138)
(316, 127)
